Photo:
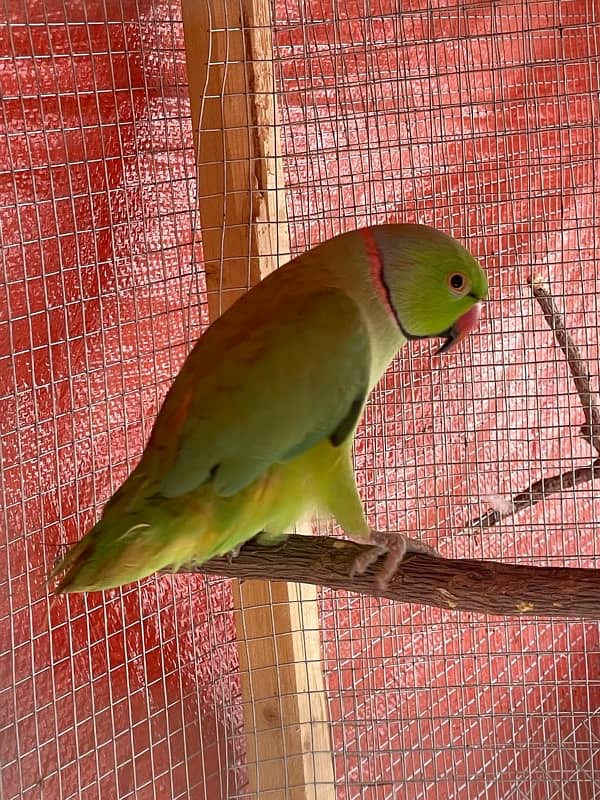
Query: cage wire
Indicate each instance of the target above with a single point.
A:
(476, 117)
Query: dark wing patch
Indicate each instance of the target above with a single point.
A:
(348, 423)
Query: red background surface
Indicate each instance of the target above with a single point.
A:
(479, 118)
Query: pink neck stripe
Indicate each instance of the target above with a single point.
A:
(376, 271)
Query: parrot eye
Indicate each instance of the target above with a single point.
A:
(457, 283)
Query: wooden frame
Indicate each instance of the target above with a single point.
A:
(244, 237)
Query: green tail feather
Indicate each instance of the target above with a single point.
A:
(109, 555)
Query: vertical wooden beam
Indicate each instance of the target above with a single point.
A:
(240, 177)
(244, 237)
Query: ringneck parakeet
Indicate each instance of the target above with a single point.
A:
(257, 428)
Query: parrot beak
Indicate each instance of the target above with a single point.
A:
(461, 328)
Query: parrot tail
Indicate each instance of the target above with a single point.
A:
(120, 550)
(106, 557)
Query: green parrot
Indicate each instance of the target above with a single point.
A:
(257, 428)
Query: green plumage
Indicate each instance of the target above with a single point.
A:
(257, 428)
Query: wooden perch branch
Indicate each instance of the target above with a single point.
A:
(590, 430)
(485, 587)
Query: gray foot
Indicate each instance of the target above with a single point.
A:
(233, 553)
(397, 546)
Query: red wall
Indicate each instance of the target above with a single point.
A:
(477, 118)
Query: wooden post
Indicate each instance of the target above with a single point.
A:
(244, 237)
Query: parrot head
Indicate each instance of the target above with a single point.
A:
(434, 285)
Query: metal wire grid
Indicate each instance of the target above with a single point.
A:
(498, 145)
(96, 214)
(478, 118)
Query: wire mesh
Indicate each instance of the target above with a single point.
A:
(479, 118)
(96, 218)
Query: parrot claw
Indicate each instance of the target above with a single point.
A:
(234, 553)
(396, 546)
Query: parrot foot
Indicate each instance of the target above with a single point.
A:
(233, 553)
(396, 546)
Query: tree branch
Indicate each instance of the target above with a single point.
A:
(536, 492)
(486, 587)
(590, 430)
(579, 370)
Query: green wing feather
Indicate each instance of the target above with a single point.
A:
(298, 376)
(285, 368)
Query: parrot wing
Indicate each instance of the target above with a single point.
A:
(298, 375)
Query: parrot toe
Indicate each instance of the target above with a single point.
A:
(395, 546)
(234, 553)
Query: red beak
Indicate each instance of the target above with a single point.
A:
(461, 328)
